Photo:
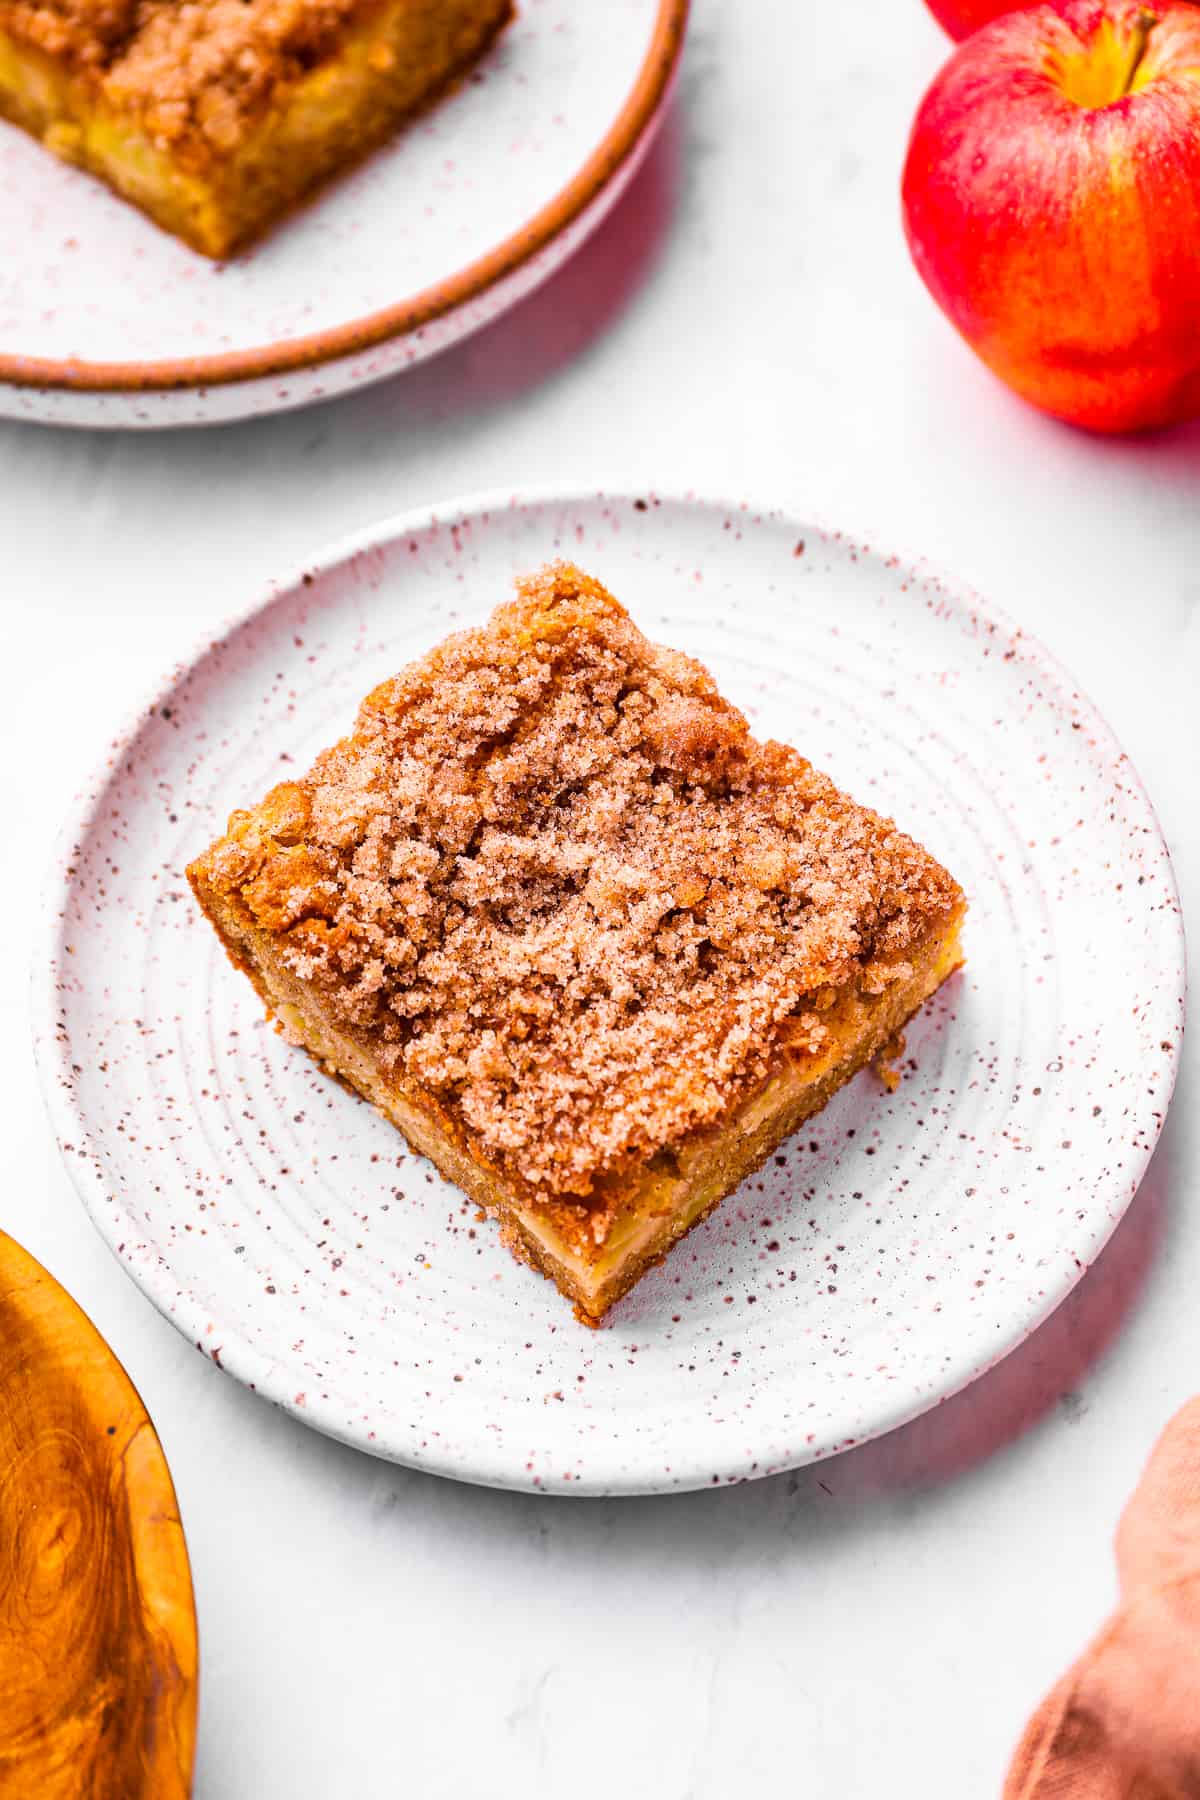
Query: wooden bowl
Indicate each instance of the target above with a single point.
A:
(97, 1622)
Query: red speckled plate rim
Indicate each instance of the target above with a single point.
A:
(404, 316)
(263, 1374)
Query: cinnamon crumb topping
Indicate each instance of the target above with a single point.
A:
(200, 74)
(554, 883)
(86, 34)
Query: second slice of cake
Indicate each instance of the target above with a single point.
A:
(591, 946)
(215, 116)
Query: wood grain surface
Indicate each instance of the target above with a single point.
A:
(97, 1625)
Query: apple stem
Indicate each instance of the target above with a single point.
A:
(1143, 26)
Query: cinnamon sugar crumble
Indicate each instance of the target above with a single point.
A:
(556, 885)
(85, 33)
(198, 73)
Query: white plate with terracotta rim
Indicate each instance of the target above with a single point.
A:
(107, 321)
(892, 1253)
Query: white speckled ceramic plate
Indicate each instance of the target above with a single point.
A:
(106, 320)
(890, 1254)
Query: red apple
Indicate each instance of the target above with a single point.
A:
(1052, 206)
(961, 17)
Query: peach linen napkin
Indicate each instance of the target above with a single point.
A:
(1124, 1723)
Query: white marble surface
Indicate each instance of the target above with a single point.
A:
(746, 323)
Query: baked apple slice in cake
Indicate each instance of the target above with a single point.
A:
(591, 946)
